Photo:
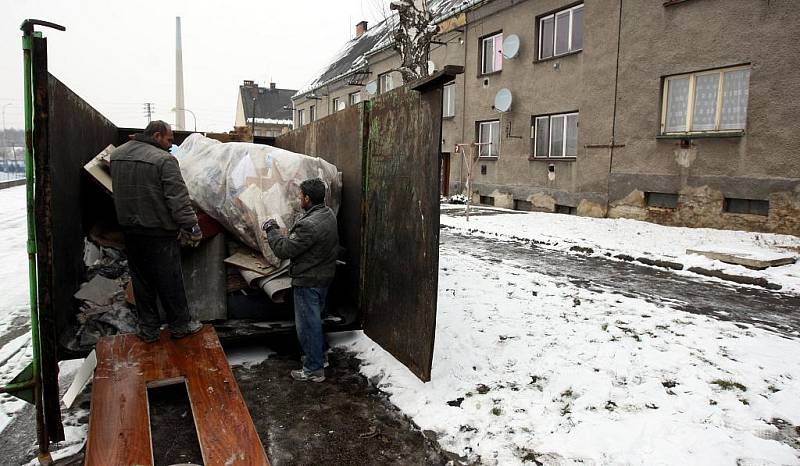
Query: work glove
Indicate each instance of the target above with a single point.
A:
(191, 237)
(269, 225)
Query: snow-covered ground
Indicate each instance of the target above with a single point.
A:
(638, 239)
(14, 300)
(529, 367)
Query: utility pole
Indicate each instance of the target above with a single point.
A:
(149, 108)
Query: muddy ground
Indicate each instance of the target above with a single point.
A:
(343, 421)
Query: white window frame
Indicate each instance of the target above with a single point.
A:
(449, 100)
(553, 15)
(489, 123)
(312, 113)
(338, 104)
(382, 81)
(535, 135)
(301, 117)
(354, 97)
(690, 101)
(483, 50)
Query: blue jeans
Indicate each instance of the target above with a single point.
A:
(308, 306)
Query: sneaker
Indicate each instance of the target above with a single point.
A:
(147, 337)
(190, 328)
(325, 362)
(304, 375)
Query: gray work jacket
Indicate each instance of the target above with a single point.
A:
(149, 192)
(312, 245)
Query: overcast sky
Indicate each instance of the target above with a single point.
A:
(119, 55)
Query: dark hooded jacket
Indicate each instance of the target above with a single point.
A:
(149, 192)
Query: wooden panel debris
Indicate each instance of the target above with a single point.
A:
(100, 168)
(119, 424)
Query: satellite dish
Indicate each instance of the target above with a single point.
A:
(372, 87)
(431, 67)
(511, 46)
(502, 101)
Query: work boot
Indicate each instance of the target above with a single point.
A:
(190, 328)
(325, 362)
(305, 375)
(147, 337)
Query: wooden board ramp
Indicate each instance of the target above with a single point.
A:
(119, 421)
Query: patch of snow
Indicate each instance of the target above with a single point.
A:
(635, 238)
(529, 366)
(248, 356)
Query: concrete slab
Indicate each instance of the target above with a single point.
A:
(758, 260)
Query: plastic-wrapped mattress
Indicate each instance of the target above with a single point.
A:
(242, 185)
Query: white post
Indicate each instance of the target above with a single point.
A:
(180, 116)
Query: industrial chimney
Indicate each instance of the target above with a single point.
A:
(180, 115)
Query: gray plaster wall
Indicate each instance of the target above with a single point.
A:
(763, 164)
(583, 82)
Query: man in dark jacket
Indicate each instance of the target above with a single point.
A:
(153, 208)
(312, 245)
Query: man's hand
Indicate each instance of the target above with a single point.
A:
(191, 237)
(269, 225)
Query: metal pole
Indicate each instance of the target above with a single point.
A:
(41, 433)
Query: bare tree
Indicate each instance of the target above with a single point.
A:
(413, 37)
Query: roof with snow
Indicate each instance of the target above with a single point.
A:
(269, 101)
(352, 58)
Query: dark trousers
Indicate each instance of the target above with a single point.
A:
(155, 265)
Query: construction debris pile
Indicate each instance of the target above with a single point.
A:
(233, 274)
(103, 304)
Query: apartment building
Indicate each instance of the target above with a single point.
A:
(677, 112)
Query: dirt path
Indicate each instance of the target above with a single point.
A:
(773, 311)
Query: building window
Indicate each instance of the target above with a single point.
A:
(746, 206)
(492, 53)
(489, 138)
(706, 101)
(355, 98)
(338, 104)
(301, 117)
(561, 32)
(449, 101)
(385, 82)
(555, 135)
(312, 113)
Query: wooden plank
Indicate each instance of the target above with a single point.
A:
(119, 425)
(225, 429)
(251, 261)
(100, 170)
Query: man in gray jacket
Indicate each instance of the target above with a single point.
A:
(153, 208)
(312, 245)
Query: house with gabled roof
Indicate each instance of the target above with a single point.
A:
(267, 111)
